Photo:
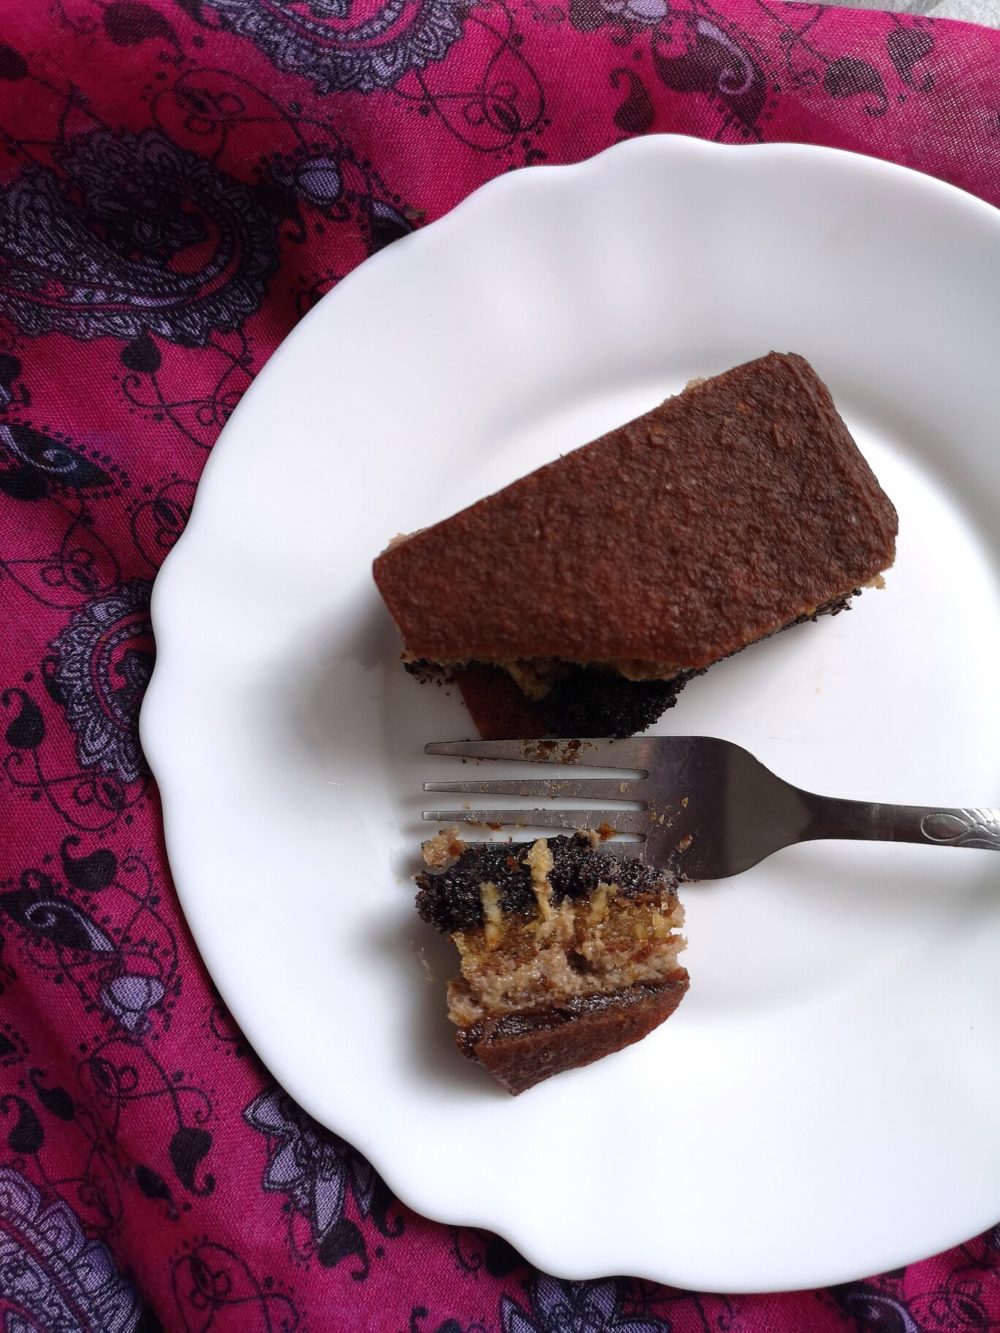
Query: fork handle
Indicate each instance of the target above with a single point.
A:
(949, 827)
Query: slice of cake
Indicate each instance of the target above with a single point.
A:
(567, 952)
(579, 600)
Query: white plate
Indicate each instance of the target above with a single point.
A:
(826, 1102)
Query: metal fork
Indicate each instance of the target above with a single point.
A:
(709, 809)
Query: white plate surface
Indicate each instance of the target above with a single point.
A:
(826, 1101)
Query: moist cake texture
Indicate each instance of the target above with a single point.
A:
(603, 582)
(567, 953)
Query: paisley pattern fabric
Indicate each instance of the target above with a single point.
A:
(123, 233)
(52, 1278)
(180, 181)
(337, 48)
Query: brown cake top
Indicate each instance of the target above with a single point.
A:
(701, 526)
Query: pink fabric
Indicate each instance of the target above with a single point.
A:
(182, 180)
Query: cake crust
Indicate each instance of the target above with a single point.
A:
(523, 1049)
(704, 525)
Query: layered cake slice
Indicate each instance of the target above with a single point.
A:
(567, 952)
(579, 600)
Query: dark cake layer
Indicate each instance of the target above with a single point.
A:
(583, 701)
(451, 899)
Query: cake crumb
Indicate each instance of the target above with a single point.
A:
(424, 961)
(399, 539)
(443, 849)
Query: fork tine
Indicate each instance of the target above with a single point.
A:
(597, 752)
(595, 789)
(621, 821)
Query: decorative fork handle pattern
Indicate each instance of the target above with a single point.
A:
(957, 827)
(963, 828)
